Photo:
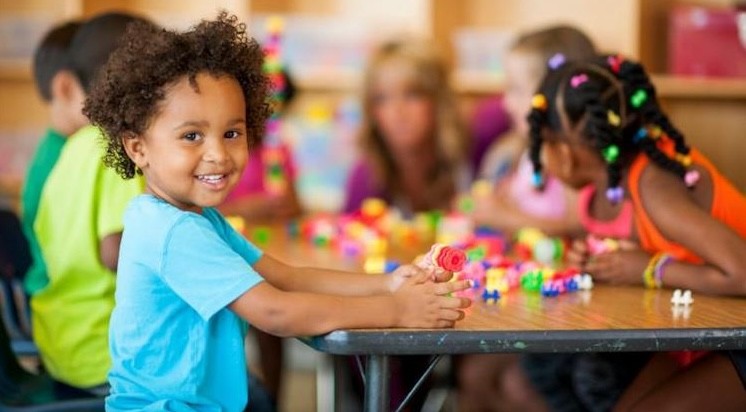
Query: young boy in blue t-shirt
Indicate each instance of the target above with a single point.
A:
(183, 109)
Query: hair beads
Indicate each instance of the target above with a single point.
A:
(556, 61)
(539, 102)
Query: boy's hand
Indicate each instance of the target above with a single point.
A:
(403, 272)
(421, 303)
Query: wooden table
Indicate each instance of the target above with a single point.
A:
(606, 319)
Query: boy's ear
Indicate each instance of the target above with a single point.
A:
(63, 86)
(135, 148)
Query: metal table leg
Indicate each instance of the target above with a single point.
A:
(377, 383)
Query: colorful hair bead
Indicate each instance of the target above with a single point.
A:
(613, 118)
(615, 63)
(638, 98)
(556, 61)
(641, 134)
(685, 160)
(539, 102)
(611, 153)
(656, 132)
(578, 79)
(615, 194)
(537, 179)
(691, 178)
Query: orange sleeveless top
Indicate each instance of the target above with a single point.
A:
(728, 205)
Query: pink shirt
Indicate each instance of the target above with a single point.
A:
(619, 227)
(549, 203)
(252, 178)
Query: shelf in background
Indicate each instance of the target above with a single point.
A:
(477, 83)
(671, 86)
(327, 80)
(668, 86)
(15, 69)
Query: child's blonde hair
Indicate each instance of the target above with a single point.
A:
(544, 43)
(431, 79)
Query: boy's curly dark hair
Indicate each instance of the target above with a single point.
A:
(126, 94)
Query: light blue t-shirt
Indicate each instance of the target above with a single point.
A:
(175, 346)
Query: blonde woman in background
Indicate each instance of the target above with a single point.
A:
(413, 143)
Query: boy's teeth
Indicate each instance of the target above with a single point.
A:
(211, 177)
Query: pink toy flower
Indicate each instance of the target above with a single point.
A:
(451, 259)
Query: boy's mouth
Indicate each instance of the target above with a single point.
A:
(216, 181)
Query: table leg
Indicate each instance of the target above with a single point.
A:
(377, 383)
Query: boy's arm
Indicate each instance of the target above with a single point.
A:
(109, 250)
(417, 304)
(303, 279)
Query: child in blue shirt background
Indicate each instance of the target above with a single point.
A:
(182, 109)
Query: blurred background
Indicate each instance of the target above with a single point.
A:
(696, 48)
(326, 42)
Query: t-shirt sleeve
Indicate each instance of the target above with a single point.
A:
(202, 268)
(113, 194)
(237, 241)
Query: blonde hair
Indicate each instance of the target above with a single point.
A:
(451, 145)
(545, 43)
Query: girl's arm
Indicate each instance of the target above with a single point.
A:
(672, 208)
(417, 304)
(499, 212)
(305, 279)
(684, 220)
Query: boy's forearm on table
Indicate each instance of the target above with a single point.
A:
(335, 282)
(306, 314)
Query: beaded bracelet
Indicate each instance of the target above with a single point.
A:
(648, 276)
(664, 260)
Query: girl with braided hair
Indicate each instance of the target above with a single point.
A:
(599, 127)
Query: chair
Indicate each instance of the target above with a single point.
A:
(22, 391)
(15, 259)
(14, 313)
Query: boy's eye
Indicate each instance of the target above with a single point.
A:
(232, 134)
(191, 136)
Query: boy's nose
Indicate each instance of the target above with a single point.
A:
(216, 151)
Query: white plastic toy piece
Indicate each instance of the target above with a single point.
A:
(680, 298)
(585, 281)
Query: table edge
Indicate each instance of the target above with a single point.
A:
(444, 341)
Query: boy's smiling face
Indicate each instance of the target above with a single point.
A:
(195, 148)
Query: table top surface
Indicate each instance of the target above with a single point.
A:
(603, 319)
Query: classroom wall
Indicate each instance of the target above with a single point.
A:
(709, 113)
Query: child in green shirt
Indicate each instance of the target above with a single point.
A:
(61, 91)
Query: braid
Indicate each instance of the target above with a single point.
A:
(536, 120)
(644, 102)
(598, 126)
(651, 150)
